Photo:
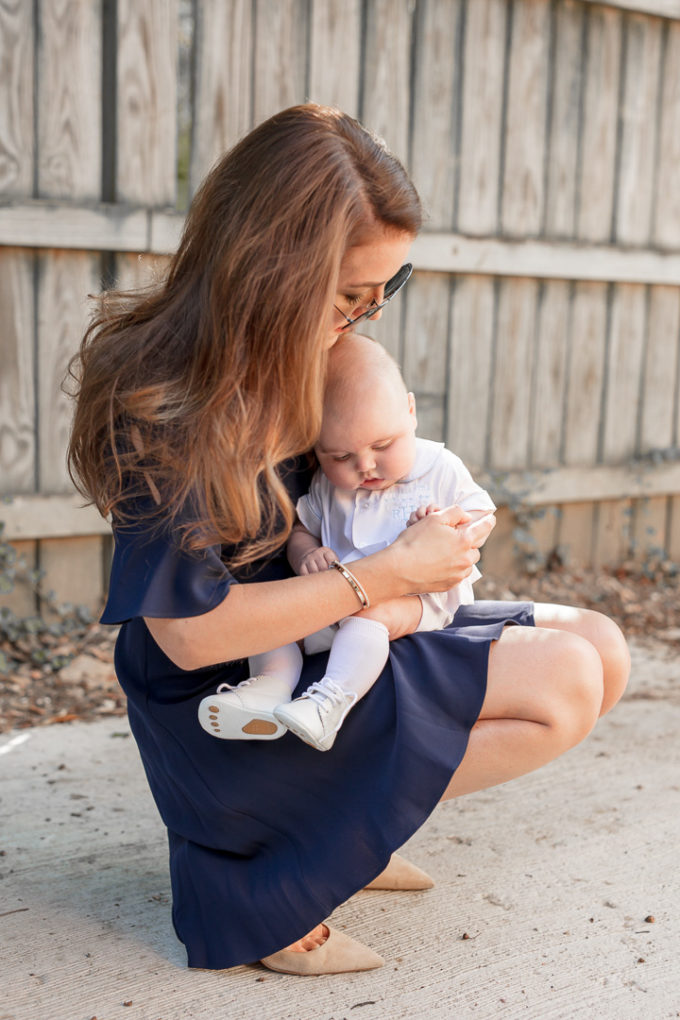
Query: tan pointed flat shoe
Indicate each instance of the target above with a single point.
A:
(401, 875)
(338, 955)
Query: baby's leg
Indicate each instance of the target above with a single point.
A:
(358, 654)
(246, 712)
(282, 664)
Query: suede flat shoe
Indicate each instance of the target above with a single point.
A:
(401, 874)
(338, 955)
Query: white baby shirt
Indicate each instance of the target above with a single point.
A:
(356, 523)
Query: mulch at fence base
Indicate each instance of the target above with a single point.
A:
(644, 605)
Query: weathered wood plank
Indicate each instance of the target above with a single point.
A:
(613, 533)
(335, 54)
(586, 372)
(65, 280)
(659, 411)
(222, 107)
(69, 100)
(639, 479)
(600, 119)
(638, 130)
(667, 190)
(425, 349)
(22, 599)
(16, 98)
(74, 570)
(511, 400)
(523, 174)
(136, 272)
(649, 529)
(552, 345)
(17, 397)
(57, 516)
(624, 373)
(454, 253)
(470, 368)
(434, 137)
(482, 113)
(665, 8)
(575, 534)
(560, 202)
(147, 99)
(386, 72)
(280, 56)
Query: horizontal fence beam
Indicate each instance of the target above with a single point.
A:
(114, 227)
(36, 516)
(664, 8)
(454, 253)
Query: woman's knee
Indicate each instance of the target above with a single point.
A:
(578, 686)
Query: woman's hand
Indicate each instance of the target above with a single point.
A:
(436, 553)
(401, 616)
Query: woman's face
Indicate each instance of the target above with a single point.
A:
(364, 271)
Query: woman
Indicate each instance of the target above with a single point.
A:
(196, 405)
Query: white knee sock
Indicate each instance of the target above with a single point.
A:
(359, 652)
(283, 664)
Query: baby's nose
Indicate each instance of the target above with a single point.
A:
(366, 462)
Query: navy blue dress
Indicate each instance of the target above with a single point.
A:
(268, 837)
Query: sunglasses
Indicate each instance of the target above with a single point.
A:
(392, 287)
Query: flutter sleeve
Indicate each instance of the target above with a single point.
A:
(152, 576)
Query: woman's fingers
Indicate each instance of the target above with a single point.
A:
(451, 515)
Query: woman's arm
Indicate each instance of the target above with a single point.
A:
(433, 555)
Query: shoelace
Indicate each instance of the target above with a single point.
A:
(330, 691)
(234, 687)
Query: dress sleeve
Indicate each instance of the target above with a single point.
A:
(152, 576)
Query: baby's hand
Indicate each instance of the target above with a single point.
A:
(421, 512)
(317, 560)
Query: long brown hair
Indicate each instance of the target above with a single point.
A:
(196, 391)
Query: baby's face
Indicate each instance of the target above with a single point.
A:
(369, 444)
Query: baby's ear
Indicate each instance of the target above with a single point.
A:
(412, 407)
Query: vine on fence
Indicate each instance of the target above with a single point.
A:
(38, 637)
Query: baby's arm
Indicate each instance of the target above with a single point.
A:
(306, 555)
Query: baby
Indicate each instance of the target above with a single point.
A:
(375, 478)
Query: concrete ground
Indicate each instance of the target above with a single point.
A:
(557, 895)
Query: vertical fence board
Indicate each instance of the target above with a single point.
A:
(69, 100)
(146, 170)
(600, 113)
(424, 358)
(527, 95)
(280, 55)
(638, 131)
(222, 107)
(622, 400)
(552, 344)
(512, 376)
(17, 397)
(386, 72)
(667, 191)
(560, 209)
(484, 47)
(16, 99)
(470, 368)
(433, 138)
(335, 54)
(624, 371)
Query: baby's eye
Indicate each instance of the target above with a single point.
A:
(341, 458)
(384, 446)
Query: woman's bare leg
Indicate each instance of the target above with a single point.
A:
(601, 632)
(544, 695)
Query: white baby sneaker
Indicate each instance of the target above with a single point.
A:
(244, 712)
(318, 714)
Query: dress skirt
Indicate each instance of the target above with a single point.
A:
(268, 837)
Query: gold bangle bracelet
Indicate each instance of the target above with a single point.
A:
(356, 587)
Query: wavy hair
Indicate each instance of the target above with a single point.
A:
(196, 391)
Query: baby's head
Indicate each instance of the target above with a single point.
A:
(367, 438)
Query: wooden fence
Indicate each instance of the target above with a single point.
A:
(541, 330)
